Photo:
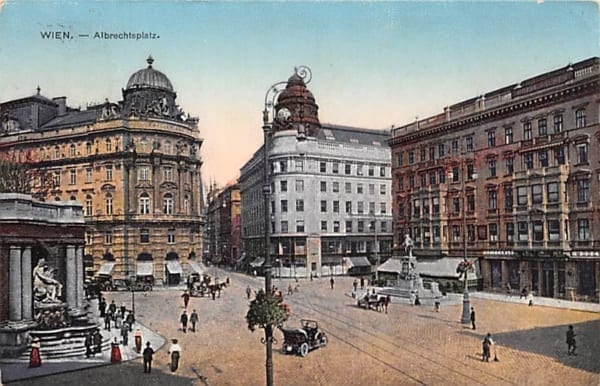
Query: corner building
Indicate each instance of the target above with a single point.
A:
(330, 201)
(522, 164)
(133, 165)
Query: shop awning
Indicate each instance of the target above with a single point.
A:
(444, 267)
(391, 265)
(258, 262)
(106, 269)
(361, 261)
(144, 268)
(198, 268)
(174, 267)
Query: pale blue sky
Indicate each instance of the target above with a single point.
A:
(374, 64)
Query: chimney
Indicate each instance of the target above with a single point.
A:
(62, 105)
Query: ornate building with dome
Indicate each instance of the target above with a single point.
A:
(330, 201)
(135, 167)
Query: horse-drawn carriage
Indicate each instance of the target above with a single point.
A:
(302, 340)
(374, 301)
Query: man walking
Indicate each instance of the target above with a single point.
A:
(362, 283)
(184, 320)
(112, 308)
(248, 292)
(125, 333)
(331, 282)
(186, 299)
(473, 317)
(98, 342)
(107, 320)
(487, 343)
(89, 341)
(102, 307)
(571, 346)
(355, 284)
(194, 320)
(148, 353)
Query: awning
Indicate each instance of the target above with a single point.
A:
(174, 267)
(144, 268)
(258, 262)
(106, 269)
(361, 261)
(392, 265)
(444, 267)
(197, 267)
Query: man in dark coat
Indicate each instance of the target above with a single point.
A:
(186, 299)
(184, 320)
(97, 342)
(107, 320)
(112, 308)
(571, 346)
(125, 333)
(473, 317)
(194, 320)
(102, 307)
(148, 353)
(89, 341)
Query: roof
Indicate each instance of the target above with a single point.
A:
(72, 118)
(354, 135)
(149, 78)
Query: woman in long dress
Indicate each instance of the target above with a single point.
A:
(115, 352)
(175, 351)
(34, 356)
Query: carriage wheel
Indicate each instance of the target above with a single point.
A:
(304, 349)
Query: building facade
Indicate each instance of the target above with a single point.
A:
(511, 179)
(134, 165)
(330, 198)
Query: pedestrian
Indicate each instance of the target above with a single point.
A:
(88, 342)
(508, 288)
(34, 356)
(487, 343)
(186, 299)
(175, 351)
(248, 292)
(227, 281)
(194, 320)
(118, 320)
(436, 304)
(97, 342)
(362, 283)
(123, 310)
(130, 319)
(148, 353)
(125, 333)
(388, 300)
(472, 318)
(184, 319)
(355, 285)
(290, 289)
(411, 298)
(112, 307)
(107, 319)
(137, 338)
(571, 344)
(331, 282)
(530, 297)
(102, 307)
(115, 352)
(417, 301)
(311, 276)
(524, 293)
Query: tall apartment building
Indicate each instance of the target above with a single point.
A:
(224, 224)
(516, 172)
(330, 201)
(134, 165)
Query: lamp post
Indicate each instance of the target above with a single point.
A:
(375, 247)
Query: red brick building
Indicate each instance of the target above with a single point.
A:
(512, 177)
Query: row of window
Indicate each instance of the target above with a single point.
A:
(144, 237)
(429, 153)
(526, 195)
(334, 186)
(335, 206)
(144, 206)
(550, 230)
(144, 174)
(333, 167)
(110, 145)
(334, 226)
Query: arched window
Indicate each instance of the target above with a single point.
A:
(88, 148)
(88, 206)
(56, 152)
(109, 204)
(186, 205)
(72, 150)
(108, 145)
(144, 203)
(168, 148)
(168, 203)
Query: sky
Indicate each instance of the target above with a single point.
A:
(374, 64)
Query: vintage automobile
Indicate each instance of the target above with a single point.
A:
(302, 340)
(371, 301)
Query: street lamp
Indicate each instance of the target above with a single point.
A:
(466, 311)
(375, 247)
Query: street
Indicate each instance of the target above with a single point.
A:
(408, 345)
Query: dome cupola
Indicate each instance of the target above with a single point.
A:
(298, 107)
(149, 78)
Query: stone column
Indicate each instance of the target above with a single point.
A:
(80, 274)
(27, 285)
(71, 277)
(15, 285)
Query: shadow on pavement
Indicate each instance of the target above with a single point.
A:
(130, 374)
(551, 342)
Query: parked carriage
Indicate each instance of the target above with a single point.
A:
(371, 302)
(302, 340)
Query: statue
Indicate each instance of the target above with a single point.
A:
(408, 245)
(46, 288)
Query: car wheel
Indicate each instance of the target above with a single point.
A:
(324, 340)
(304, 349)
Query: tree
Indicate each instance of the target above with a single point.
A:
(267, 310)
(14, 177)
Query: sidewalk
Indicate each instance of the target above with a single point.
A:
(18, 369)
(538, 301)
